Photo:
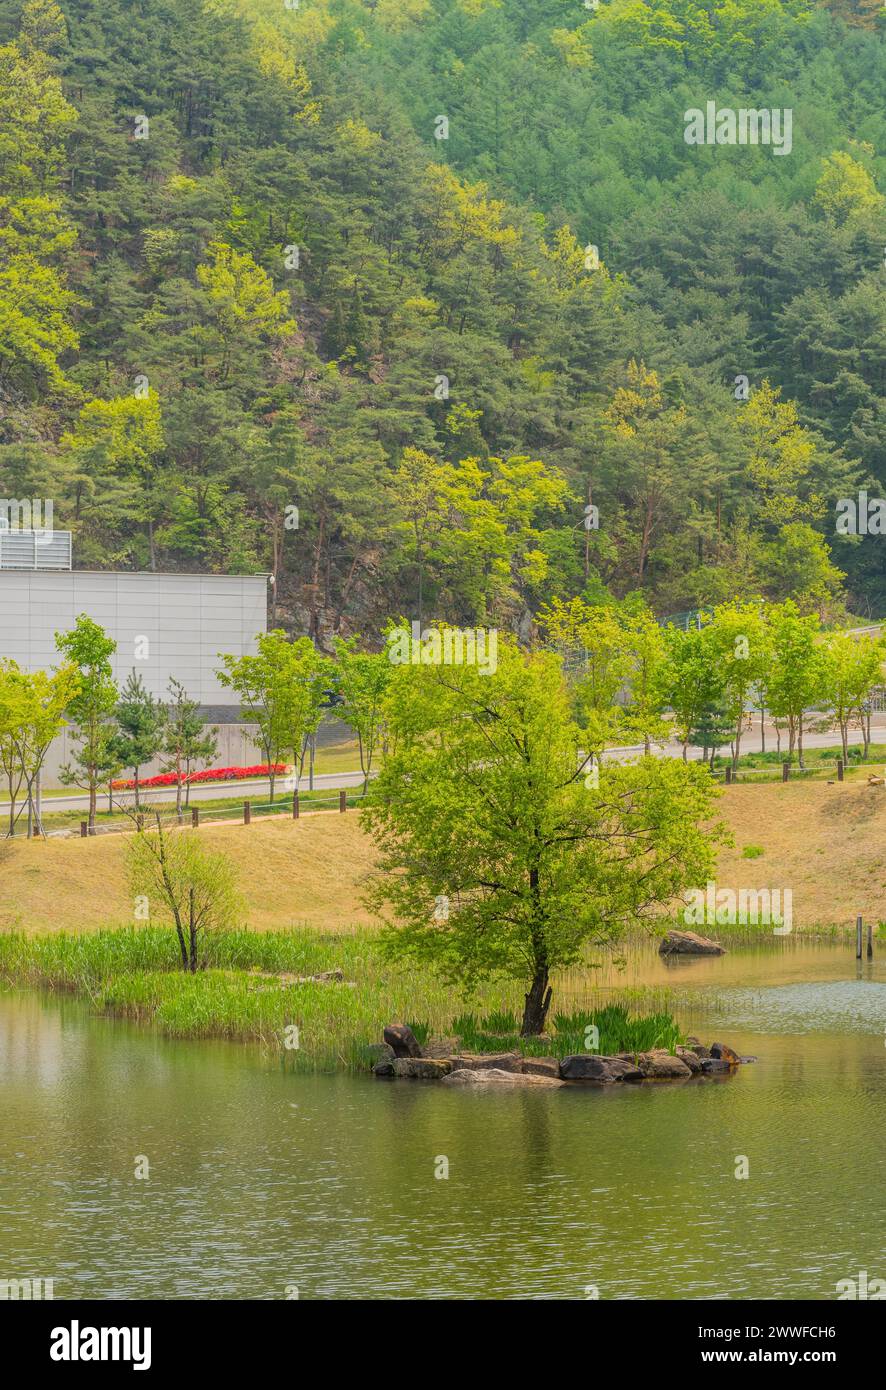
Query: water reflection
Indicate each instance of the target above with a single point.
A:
(260, 1179)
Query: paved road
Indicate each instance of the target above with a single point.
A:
(258, 789)
(250, 789)
(751, 743)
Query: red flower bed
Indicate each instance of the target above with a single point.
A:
(209, 774)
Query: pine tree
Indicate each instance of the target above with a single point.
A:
(141, 723)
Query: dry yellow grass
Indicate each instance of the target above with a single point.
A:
(826, 843)
(306, 871)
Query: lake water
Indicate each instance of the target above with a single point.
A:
(261, 1181)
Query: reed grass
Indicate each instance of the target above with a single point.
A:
(249, 990)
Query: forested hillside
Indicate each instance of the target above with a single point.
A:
(430, 278)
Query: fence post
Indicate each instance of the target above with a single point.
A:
(839, 769)
(728, 773)
(342, 798)
(84, 829)
(858, 934)
(195, 816)
(295, 805)
(247, 813)
(870, 941)
(785, 771)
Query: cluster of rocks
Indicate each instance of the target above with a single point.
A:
(402, 1056)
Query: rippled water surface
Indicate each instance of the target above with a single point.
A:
(261, 1180)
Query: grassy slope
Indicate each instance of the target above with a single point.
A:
(305, 872)
(827, 843)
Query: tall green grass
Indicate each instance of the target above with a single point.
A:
(246, 991)
(618, 1031)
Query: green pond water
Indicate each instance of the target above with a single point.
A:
(261, 1180)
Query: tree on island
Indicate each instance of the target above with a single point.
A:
(489, 802)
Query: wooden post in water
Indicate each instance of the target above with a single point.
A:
(839, 769)
(858, 934)
(870, 941)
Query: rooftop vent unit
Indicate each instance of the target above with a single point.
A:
(34, 550)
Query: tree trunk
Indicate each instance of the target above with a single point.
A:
(182, 944)
(537, 1003)
(421, 589)
(275, 567)
(800, 743)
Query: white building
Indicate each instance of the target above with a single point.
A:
(164, 624)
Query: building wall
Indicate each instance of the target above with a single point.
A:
(236, 748)
(236, 741)
(164, 624)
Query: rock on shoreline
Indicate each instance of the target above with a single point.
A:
(485, 1076)
(403, 1058)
